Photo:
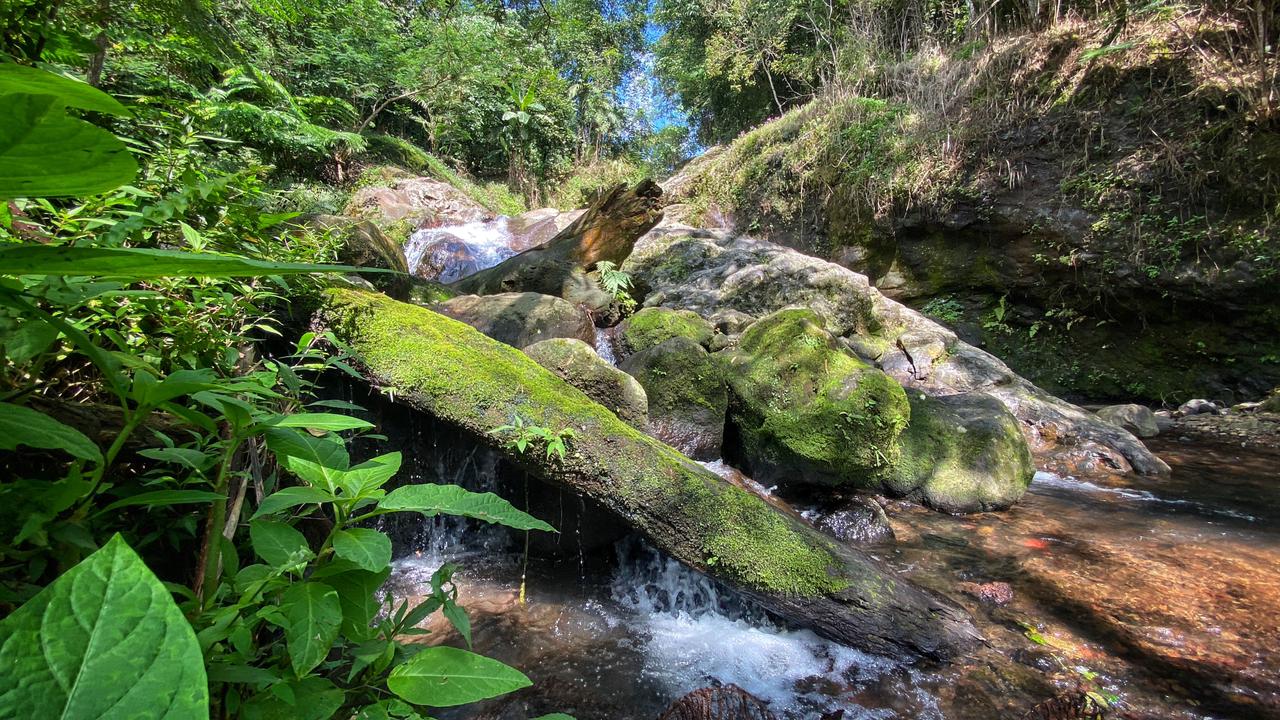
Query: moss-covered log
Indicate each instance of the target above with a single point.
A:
(451, 371)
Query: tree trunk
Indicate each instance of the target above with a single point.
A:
(606, 231)
(451, 371)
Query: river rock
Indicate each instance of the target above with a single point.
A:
(1137, 419)
(992, 593)
(809, 412)
(687, 397)
(1271, 404)
(1198, 406)
(861, 522)
(653, 326)
(724, 702)
(709, 271)
(521, 319)
(962, 453)
(419, 202)
(365, 245)
(536, 227)
(446, 260)
(578, 364)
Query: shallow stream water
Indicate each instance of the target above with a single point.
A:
(1162, 593)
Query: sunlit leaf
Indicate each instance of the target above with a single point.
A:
(444, 676)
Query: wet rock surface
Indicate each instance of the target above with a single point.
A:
(1137, 419)
(861, 521)
(521, 319)
(418, 202)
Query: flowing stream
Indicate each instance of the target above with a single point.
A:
(1161, 592)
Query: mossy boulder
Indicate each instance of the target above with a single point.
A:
(808, 411)
(521, 319)
(962, 453)
(687, 396)
(578, 364)
(452, 372)
(363, 244)
(655, 325)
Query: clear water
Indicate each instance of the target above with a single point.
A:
(1164, 591)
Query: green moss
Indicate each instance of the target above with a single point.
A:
(963, 454)
(655, 325)
(455, 373)
(805, 405)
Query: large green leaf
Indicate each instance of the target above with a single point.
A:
(371, 474)
(367, 548)
(105, 640)
(430, 499)
(319, 421)
(46, 153)
(314, 616)
(278, 543)
(23, 426)
(291, 497)
(444, 676)
(27, 80)
(358, 594)
(321, 461)
(141, 262)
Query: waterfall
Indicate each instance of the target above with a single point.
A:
(456, 251)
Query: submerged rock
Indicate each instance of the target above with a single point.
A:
(861, 522)
(709, 272)
(521, 319)
(726, 702)
(808, 412)
(963, 453)
(578, 364)
(687, 396)
(992, 593)
(1137, 419)
(653, 326)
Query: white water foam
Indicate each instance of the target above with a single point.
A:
(604, 346)
(488, 241)
(696, 634)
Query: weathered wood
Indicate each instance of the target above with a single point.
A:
(449, 370)
(606, 231)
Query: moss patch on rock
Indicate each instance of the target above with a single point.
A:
(687, 396)
(579, 365)
(655, 325)
(450, 370)
(963, 453)
(807, 410)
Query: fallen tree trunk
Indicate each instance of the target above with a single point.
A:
(454, 373)
(606, 231)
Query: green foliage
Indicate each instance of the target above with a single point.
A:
(944, 308)
(46, 152)
(105, 639)
(617, 283)
(280, 626)
(586, 183)
(523, 435)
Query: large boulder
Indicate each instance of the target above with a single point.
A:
(807, 411)
(521, 319)
(536, 227)
(653, 326)
(962, 453)
(687, 397)
(415, 202)
(710, 272)
(363, 244)
(1137, 419)
(578, 364)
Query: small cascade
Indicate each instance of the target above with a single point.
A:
(448, 254)
(604, 345)
(697, 633)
